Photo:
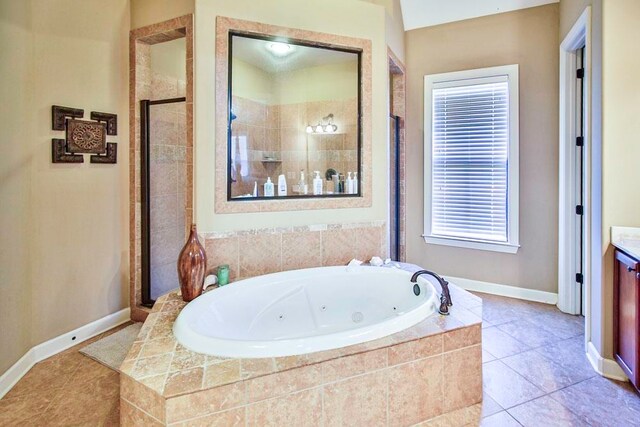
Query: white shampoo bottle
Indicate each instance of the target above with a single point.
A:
(355, 183)
(282, 186)
(317, 184)
(349, 184)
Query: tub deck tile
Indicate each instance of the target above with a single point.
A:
(191, 388)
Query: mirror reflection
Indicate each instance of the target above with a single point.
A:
(293, 120)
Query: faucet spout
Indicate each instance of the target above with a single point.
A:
(445, 298)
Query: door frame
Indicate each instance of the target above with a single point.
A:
(569, 294)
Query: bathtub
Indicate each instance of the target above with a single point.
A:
(303, 311)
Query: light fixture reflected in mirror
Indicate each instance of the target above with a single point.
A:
(325, 126)
(279, 49)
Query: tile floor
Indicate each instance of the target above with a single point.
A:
(66, 389)
(535, 374)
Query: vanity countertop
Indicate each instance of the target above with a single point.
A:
(626, 239)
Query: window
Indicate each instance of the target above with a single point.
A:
(471, 158)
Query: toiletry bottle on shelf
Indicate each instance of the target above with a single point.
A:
(282, 186)
(317, 184)
(336, 183)
(341, 184)
(268, 188)
(302, 184)
(255, 189)
(356, 184)
(349, 183)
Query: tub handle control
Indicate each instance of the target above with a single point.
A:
(416, 289)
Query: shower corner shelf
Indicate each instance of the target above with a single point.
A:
(271, 161)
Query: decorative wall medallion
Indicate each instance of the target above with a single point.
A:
(86, 137)
(110, 157)
(111, 121)
(83, 136)
(59, 154)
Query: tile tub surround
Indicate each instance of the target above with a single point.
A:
(223, 26)
(626, 239)
(431, 370)
(251, 253)
(141, 87)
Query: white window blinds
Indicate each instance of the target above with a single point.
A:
(470, 152)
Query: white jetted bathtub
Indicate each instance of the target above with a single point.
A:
(302, 311)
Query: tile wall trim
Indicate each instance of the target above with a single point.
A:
(293, 229)
(222, 205)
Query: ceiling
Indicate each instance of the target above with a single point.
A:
(425, 13)
(255, 52)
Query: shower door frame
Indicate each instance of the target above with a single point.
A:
(145, 199)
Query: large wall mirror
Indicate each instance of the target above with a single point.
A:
(294, 115)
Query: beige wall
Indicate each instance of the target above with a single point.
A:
(331, 82)
(147, 12)
(64, 227)
(394, 26)
(252, 83)
(620, 130)
(16, 69)
(288, 13)
(529, 38)
(570, 10)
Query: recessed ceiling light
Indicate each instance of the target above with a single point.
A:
(279, 48)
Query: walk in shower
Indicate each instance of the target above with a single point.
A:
(163, 175)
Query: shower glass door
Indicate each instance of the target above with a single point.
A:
(163, 169)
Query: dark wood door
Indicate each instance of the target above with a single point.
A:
(627, 315)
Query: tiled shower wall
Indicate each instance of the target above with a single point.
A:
(167, 166)
(256, 126)
(255, 252)
(279, 131)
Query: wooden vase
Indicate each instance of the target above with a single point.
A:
(192, 263)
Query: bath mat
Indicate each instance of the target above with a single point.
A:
(111, 350)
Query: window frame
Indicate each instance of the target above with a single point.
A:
(469, 76)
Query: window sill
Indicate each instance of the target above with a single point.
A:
(508, 248)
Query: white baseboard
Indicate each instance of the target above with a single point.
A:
(57, 345)
(16, 371)
(605, 367)
(505, 290)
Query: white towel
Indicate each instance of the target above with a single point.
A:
(240, 154)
